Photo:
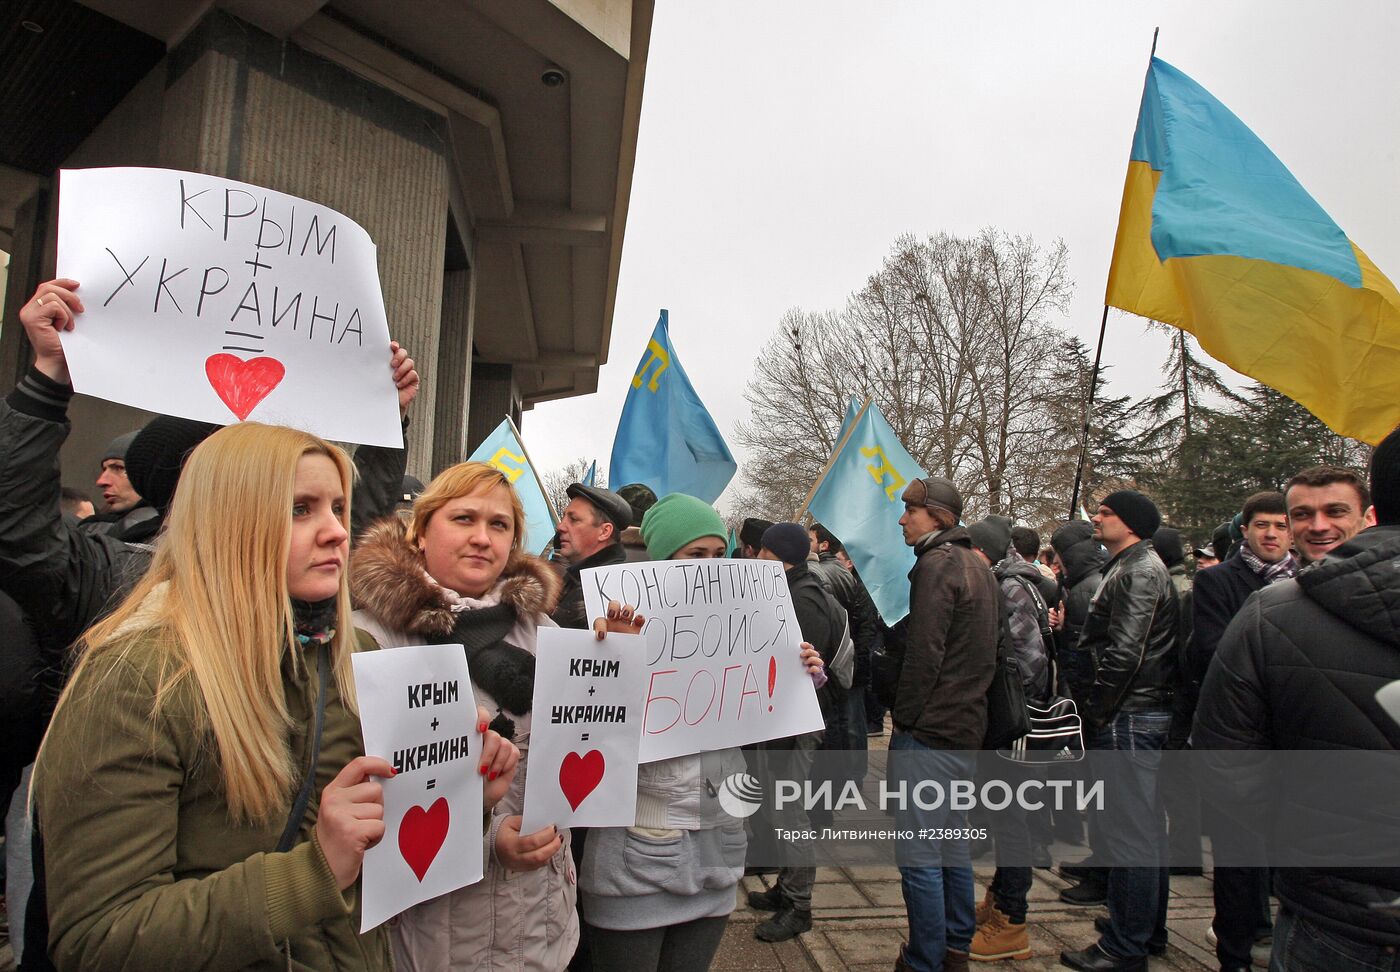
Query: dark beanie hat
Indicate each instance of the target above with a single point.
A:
(1220, 540)
(1136, 510)
(991, 536)
(751, 532)
(1385, 480)
(116, 449)
(1071, 533)
(788, 542)
(1167, 542)
(935, 492)
(640, 497)
(157, 454)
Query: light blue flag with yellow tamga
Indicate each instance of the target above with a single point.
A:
(504, 450)
(665, 437)
(859, 501)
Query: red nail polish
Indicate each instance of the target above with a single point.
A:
(491, 777)
(481, 727)
(483, 769)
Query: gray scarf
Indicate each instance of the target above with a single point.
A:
(1284, 569)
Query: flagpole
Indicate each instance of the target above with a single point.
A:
(548, 503)
(1094, 377)
(1088, 414)
(835, 454)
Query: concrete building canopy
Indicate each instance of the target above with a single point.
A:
(486, 145)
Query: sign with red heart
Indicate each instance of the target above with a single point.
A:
(584, 730)
(221, 301)
(417, 711)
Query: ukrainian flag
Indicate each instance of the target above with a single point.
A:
(1216, 237)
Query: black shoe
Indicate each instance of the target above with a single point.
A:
(1101, 925)
(1040, 858)
(770, 900)
(1086, 893)
(1196, 871)
(1079, 872)
(753, 870)
(1095, 959)
(788, 923)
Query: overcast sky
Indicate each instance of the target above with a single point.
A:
(785, 145)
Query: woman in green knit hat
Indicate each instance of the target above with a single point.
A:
(657, 895)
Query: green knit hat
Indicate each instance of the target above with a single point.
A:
(676, 520)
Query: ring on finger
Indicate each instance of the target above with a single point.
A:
(40, 300)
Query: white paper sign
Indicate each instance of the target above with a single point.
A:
(585, 730)
(418, 712)
(219, 301)
(722, 653)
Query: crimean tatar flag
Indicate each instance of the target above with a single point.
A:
(665, 437)
(1218, 238)
(861, 500)
(504, 450)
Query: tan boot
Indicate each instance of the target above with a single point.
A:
(984, 908)
(997, 938)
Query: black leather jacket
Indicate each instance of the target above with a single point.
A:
(1131, 633)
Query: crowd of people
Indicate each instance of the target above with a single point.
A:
(187, 786)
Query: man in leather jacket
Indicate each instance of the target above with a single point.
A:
(1131, 634)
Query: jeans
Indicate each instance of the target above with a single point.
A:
(936, 875)
(1133, 829)
(1302, 946)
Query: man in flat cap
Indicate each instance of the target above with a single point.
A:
(589, 536)
(940, 715)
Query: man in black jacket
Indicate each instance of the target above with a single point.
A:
(1131, 633)
(1242, 913)
(589, 534)
(1298, 669)
(867, 634)
(823, 623)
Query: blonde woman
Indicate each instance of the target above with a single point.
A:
(457, 573)
(170, 785)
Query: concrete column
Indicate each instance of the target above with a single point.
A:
(453, 369)
(494, 395)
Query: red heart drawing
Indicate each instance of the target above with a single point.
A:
(580, 776)
(421, 833)
(242, 384)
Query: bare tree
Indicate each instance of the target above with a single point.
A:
(952, 338)
(556, 481)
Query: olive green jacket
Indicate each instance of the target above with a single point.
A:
(145, 868)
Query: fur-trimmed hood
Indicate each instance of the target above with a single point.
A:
(388, 580)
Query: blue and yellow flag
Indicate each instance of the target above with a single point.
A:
(859, 501)
(1217, 237)
(590, 478)
(504, 450)
(666, 438)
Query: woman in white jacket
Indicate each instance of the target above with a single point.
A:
(657, 895)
